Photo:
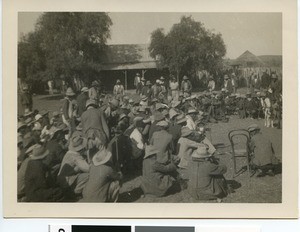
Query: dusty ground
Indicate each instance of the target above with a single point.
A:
(248, 190)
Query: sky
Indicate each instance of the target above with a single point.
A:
(260, 33)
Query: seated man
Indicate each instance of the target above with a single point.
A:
(38, 187)
(158, 179)
(73, 173)
(206, 176)
(103, 183)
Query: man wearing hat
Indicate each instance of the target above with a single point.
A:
(156, 89)
(69, 108)
(206, 180)
(118, 90)
(26, 98)
(186, 87)
(103, 183)
(81, 100)
(94, 123)
(162, 141)
(73, 172)
(137, 80)
(37, 188)
(263, 152)
(94, 91)
(174, 88)
(191, 117)
(211, 84)
(158, 116)
(146, 90)
(158, 179)
(227, 85)
(140, 85)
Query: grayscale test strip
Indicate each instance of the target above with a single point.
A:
(88, 228)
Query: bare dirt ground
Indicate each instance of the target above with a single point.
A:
(248, 190)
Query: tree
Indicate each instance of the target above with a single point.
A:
(188, 47)
(65, 44)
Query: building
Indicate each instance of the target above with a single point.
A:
(125, 60)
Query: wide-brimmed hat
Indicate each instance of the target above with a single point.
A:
(84, 89)
(55, 114)
(114, 102)
(70, 92)
(185, 78)
(144, 98)
(27, 112)
(150, 150)
(142, 109)
(39, 152)
(181, 118)
(158, 116)
(174, 104)
(162, 123)
(90, 102)
(131, 100)
(201, 152)
(102, 157)
(95, 83)
(173, 113)
(185, 131)
(28, 121)
(192, 111)
(77, 143)
(137, 74)
(253, 127)
(37, 127)
(38, 117)
(162, 78)
(226, 77)
(118, 81)
(148, 83)
(21, 125)
(54, 131)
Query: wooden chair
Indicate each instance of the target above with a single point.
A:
(239, 140)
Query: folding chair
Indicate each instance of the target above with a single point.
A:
(239, 140)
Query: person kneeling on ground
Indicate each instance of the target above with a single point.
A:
(103, 183)
(206, 176)
(262, 149)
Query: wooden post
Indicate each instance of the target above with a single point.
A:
(143, 73)
(125, 80)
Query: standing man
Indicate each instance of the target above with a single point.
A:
(119, 90)
(26, 99)
(137, 80)
(211, 84)
(50, 85)
(81, 101)
(93, 91)
(174, 87)
(227, 84)
(68, 110)
(186, 87)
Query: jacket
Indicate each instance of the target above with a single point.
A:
(157, 178)
(162, 141)
(206, 180)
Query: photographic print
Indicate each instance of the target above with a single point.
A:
(149, 108)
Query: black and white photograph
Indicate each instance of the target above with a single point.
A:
(150, 110)
(149, 107)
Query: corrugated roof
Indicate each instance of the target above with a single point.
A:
(128, 56)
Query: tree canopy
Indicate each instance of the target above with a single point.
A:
(64, 45)
(188, 47)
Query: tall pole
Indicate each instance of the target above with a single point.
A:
(126, 80)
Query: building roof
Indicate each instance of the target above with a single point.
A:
(248, 59)
(128, 56)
